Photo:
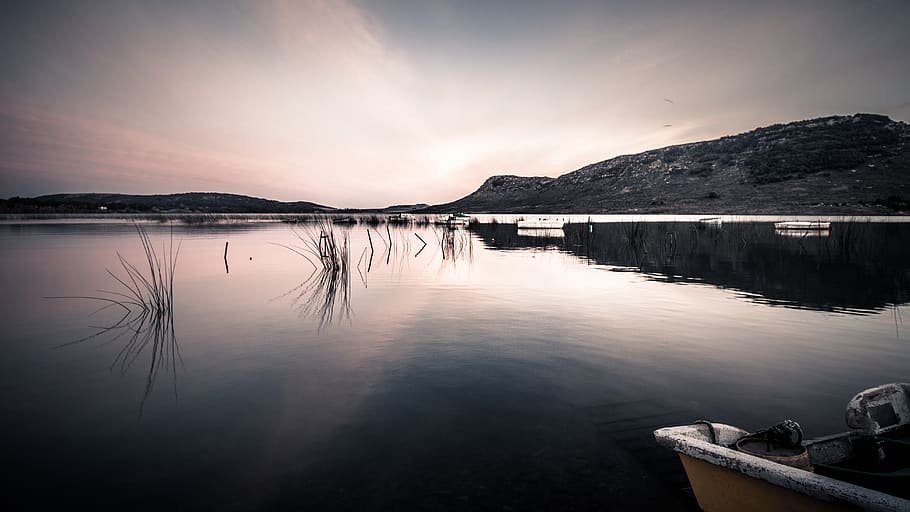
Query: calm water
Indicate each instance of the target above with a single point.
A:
(488, 369)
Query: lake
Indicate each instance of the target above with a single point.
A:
(481, 368)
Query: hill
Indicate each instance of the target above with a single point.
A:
(847, 165)
(203, 202)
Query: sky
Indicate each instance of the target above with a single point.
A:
(372, 103)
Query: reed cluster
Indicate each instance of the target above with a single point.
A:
(153, 292)
(327, 290)
(146, 297)
(320, 246)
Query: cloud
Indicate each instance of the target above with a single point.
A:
(299, 113)
(59, 148)
(370, 104)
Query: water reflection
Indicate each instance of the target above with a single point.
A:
(857, 267)
(143, 329)
(455, 244)
(541, 233)
(326, 294)
(145, 296)
(470, 372)
(802, 233)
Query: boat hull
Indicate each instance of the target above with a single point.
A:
(802, 225)
(715, 222)
(719, 489)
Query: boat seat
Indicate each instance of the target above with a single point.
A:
(877, 463)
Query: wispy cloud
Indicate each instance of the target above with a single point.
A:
(103, 156)
(367, 104)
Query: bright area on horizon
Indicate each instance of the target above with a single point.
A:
(372, 103)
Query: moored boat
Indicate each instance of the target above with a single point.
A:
(541, 223)
(865, 468)
(710, 221)
(453, 219)
(802, 225)
(402, 218)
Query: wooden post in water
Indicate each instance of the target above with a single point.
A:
(323, 247)
(226, 269)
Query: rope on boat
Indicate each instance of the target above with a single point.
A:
(710, 429)
(787, 434)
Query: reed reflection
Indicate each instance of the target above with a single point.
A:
(858, 267)
(454, 244)
(326, 293)
(146, 298)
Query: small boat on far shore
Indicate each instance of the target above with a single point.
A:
(802, 225)
(453, 220)
(541, 223)
(713, 222)
(401, 218)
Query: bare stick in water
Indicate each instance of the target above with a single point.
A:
(388, 257)
(422, 247)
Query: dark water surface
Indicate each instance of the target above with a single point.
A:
(491, 369)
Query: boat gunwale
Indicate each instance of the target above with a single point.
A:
(691, 441)
(541, 223)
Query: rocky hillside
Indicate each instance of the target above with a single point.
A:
(205, 202)
(847, 165)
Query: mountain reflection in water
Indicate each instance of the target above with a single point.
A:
(859, 267)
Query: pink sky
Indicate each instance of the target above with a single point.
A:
(366, 105)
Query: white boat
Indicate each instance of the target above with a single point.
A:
(541, 223)
(865, 468)
(454, 219)
(402, 218)
(711, 221)
(802, 225)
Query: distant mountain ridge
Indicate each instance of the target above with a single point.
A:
(837, 165)
(857, 164)
(202, 202)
